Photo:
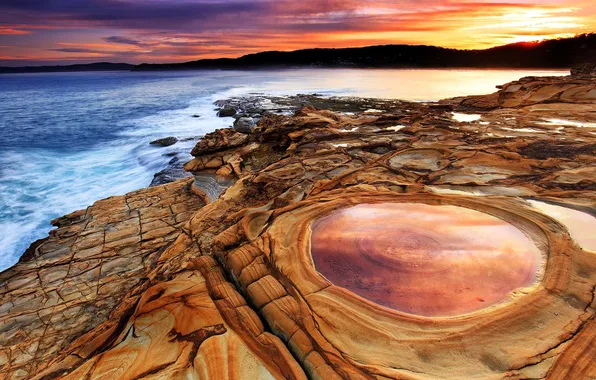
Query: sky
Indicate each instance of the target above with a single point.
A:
(136, 31)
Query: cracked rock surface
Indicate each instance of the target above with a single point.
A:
(180, 281)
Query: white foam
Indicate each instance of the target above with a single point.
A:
(47, 186)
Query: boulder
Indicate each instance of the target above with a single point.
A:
(166, 141)
(226, 111)
(244, 124)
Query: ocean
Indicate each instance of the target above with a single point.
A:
(69, 139)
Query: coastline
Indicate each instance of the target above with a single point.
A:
(106, 268)
(562, 53)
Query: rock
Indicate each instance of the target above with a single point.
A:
(586, 70)
(84, 270)
(196, 116)
(244, 124)
(287, 268)
(212, 185)
(479, 103)
(191, 138)
(226, 111)
(173, 172)
(166, 141)
(221, 139)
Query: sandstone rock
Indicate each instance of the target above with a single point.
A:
(158, 283)
(221, 139)
(74, 279)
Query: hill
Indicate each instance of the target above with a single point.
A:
(558, 53)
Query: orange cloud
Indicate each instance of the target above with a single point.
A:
(168, 31)
(12, 31)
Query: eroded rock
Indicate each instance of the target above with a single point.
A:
(235, 282)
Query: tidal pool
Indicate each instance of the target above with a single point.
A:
(422, 259)
(581, 225)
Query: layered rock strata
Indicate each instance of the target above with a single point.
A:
(232, 290)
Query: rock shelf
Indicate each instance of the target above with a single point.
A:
(182, 281)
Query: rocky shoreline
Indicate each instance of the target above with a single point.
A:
(213, 276)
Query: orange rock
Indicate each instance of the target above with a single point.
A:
(250, 285)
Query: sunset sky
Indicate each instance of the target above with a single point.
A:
(135, 31)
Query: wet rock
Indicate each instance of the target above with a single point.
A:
(226, 111)
(166, 141)
(173, 172)
(212, 185)
(196, 115)
(555, 149)
(244, 124)
(190, 138)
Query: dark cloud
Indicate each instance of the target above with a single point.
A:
(211, 15)
(123, 40)
(76, 50)
(128, 14)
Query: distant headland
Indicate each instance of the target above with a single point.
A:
(556, 53)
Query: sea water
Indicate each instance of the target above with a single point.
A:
(69, 139)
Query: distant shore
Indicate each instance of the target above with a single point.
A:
(550, 54)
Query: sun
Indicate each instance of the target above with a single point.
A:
(529, 39)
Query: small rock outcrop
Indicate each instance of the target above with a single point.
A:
(226, 111)
(244, 124)
(587, 70)
(173, 172)
(166, 141)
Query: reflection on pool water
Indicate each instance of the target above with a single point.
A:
(465, 117)
(581, 225)
(568, 123)
(422, 259)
